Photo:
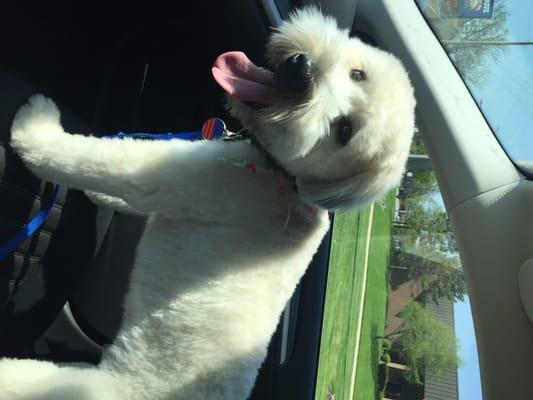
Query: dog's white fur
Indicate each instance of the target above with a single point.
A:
(219, 259)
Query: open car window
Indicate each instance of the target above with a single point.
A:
(490, 43)
(397, 320)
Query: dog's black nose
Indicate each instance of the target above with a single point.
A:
(296, 73)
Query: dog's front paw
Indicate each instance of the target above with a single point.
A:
(36, 121)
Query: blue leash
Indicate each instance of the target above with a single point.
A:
(158, 136)
(213, 128)
(11, 245)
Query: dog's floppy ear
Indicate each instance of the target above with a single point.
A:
(355, 191)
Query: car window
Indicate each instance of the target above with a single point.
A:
(490, 44)
(397, 322)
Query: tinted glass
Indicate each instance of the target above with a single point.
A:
(490, 43)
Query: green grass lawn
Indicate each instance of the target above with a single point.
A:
(342, 303)
(375, 307)
(341, 312)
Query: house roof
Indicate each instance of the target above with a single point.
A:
(445, 386)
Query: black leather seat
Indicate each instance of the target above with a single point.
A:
(37, 280)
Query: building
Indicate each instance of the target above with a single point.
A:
(444, 387)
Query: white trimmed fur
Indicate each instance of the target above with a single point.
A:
(218, 260)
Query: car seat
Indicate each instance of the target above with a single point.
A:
(38, 278)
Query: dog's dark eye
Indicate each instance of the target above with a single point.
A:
(344, 131)
(357, 75)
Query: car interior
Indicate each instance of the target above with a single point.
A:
(140, 67)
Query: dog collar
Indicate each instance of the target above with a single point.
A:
(285, 182)
(271, 160)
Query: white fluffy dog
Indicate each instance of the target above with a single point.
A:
(232, 226)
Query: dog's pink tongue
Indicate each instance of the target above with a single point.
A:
(239, 77)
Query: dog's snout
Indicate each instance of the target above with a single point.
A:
(296, 73)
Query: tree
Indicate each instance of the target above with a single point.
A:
(434, 278)
(417, 144)
(427, 225)
(425, 344)
(422, 184)
(438, 280)
(425, 215)
(468, 41)
(426, 181)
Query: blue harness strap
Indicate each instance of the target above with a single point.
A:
(213, 128)
(29, 229)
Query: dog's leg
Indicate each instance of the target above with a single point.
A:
(42, 380)
(147, 176)
(83, 162)
(125, 169)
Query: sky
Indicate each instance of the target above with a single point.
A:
(507, 96)
(468, 374)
